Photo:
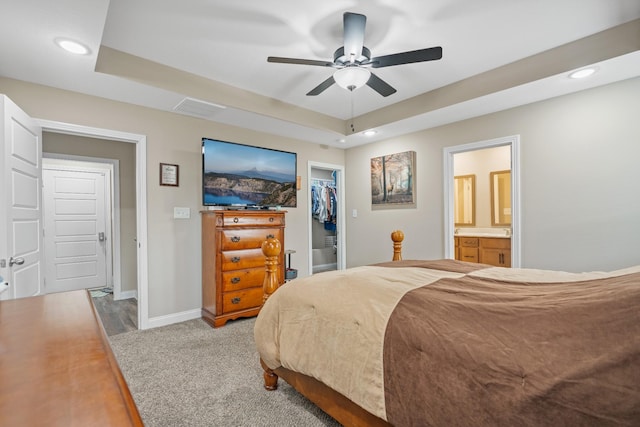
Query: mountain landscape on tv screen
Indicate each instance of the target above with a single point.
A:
(251, 187)
(267, 175)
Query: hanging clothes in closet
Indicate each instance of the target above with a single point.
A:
(324, 202)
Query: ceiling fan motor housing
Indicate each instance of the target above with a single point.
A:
(340, 59)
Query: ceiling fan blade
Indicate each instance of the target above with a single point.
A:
(281, 60)
(354, 24)
(380, 86)
(420, 55)
(321, 87)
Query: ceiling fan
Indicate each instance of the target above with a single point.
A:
(353, 60)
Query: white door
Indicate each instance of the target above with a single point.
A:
(76, 230)
(20, 203)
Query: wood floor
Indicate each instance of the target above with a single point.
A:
(117, 316)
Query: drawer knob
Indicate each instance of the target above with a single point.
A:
(271, 219)
(235, 300)
(235, 280)
(235, 219)
(270, 236)
(235, 239)
(235, 259)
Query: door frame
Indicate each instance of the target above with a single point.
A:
(111, 169)
(448, 153)
(341, 240)
(141, 198)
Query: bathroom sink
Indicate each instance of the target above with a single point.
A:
(481, 235)
(499, 232)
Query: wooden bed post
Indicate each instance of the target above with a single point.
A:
(397, 237)
(271, 249)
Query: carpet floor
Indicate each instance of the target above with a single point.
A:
(189, 374)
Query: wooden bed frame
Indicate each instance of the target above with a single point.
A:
(330, 401)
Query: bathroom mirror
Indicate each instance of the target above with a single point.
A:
(464, 196)
(500, 197)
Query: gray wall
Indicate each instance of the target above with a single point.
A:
(580, 184)
(580, 195)
(174, 246)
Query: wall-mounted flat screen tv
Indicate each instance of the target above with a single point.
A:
(247, 176)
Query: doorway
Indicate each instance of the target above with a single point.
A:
(140, 143)
(326, 217)
(449, 222)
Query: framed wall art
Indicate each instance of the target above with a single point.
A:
(393, 179)
(169, 174)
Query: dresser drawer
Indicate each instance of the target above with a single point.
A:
(247, 238)
(242, 279)
(255, 220)
(238, 260)
(239, 300)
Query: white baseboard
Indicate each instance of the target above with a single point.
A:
(169, 319)
(127, 295)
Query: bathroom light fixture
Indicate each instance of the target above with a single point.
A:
(73, 46)
(351, 78)
(581, 74)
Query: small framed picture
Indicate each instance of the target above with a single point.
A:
(169, 174)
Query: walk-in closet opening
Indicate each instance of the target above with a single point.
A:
(326, 218)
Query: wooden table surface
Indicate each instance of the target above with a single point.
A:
(56, 365)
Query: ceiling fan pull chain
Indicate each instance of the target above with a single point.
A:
(353, 130)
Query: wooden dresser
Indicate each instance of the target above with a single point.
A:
(57, 368)
(233, 265)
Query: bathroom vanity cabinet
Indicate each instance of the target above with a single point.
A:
(485, 250)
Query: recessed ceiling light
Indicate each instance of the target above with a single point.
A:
(341, 140)
(581, 74)
(73, 46)
(369, 132)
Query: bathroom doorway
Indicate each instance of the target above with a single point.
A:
(513, 144)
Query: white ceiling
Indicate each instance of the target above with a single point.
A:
(218, 50)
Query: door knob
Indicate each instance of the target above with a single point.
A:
(17, 261)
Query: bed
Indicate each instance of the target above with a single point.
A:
(444, 342)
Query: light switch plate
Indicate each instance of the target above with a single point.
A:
(181, 213)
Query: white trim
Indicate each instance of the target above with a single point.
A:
(129, 294)
(141, 198)
(516, 222)
(113, 166)
(170, 319)
(341, 235)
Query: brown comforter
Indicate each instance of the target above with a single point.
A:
(450, 343)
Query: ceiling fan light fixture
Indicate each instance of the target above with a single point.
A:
(351, 78)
